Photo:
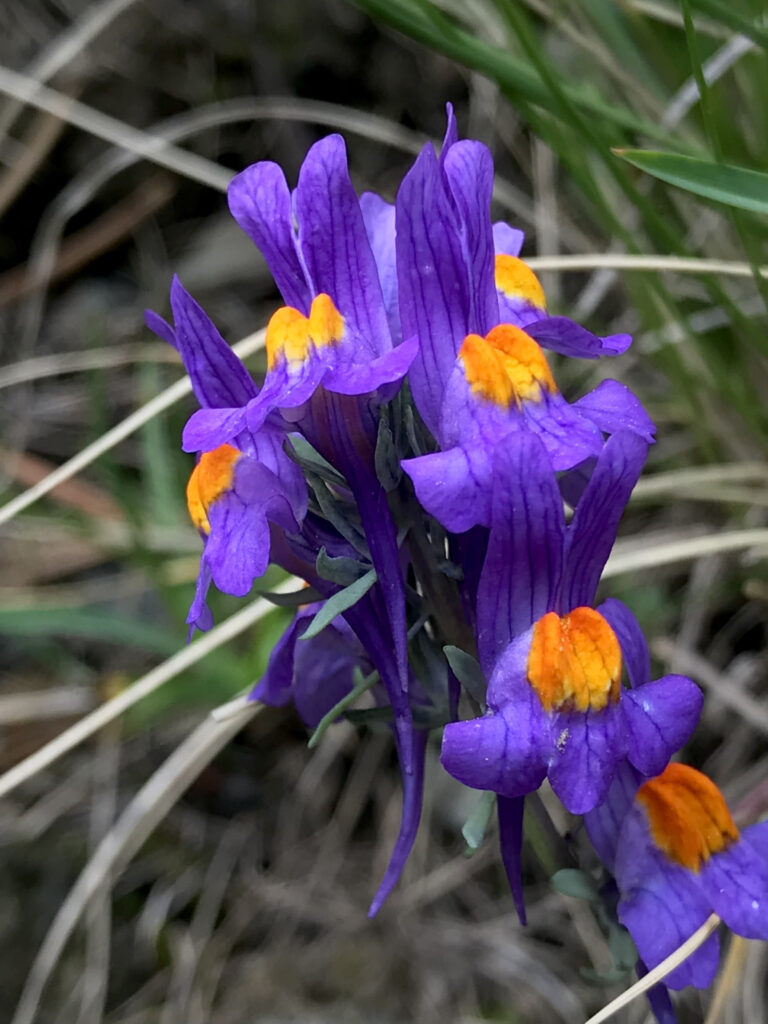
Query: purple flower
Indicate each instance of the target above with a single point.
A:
(480, 374)
(330, 355)
(335, 328)
(677, 856)
(556, 706)
(239, 487)
(314, 673)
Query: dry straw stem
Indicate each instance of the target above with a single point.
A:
(119, 845)
(64, 49)
(170, 668)
(56, 363)
(154, 148)
(675, 481)
(622, 560)
(119, 433)
(622, 261)
(659, 973)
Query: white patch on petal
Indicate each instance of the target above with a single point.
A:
(562, 739)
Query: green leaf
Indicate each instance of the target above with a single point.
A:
(572, 882)
(88, 624)
(474, 827)
(467, 671)
(622, 948)
(426, 23)
(735, 186)
(362, 683)
(729, 15)
(603, 979)
(339, 570)
(294, 599)
(304, 455)
(339, 603)
(387, 459)
(371, 716)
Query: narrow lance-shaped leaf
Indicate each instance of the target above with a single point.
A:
(339, 603)
(474, 827)
(467, 671)
(735, 186)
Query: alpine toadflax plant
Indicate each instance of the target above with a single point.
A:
(410, 456)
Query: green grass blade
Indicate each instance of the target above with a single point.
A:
(427, 24)
(728, 15)
(734, 186)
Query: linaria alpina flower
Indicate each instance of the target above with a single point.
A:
(239, 487)
(556, 705)
(316, 674)
(480, 375)
(677, 856)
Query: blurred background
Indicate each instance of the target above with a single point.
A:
(244, 897)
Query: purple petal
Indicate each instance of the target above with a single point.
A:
(379, 218)
(525, 549)
(324, 671)
(260, 202)
(335, 246)
(266, 447)
(432, 282)
(218, 377)
(200, 615)
(613, 407)
(592, 532)
(507, 241)
(413, 792)
(363, 378)
(588, 746)
(559, 334)
(662, 905)
(660, 718)
(735, 882)
(468, 168)
(569, 437)
(275, 685)
(160, 327)
(206, 429)
(510, 810)
(449, 485)
(660, 918)
(502, 751)
(634, 647)
(342, 441)
(451, 136)
(757, 837)
(659, 999)
(603, 824)
(237, 549)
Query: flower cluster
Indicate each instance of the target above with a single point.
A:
(410, 457)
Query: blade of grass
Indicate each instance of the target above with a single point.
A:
(119, 433)
(134, 826)
(729, 14)
(427, 24)
(658, 973)
(151, 147)
(623, 560)
(735, 186)
(183, 659)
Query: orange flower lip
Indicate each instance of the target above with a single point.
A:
(575, 661)
(688, 816)
(517, 281)
(294, 337)
(210, 478)
(507, 367)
